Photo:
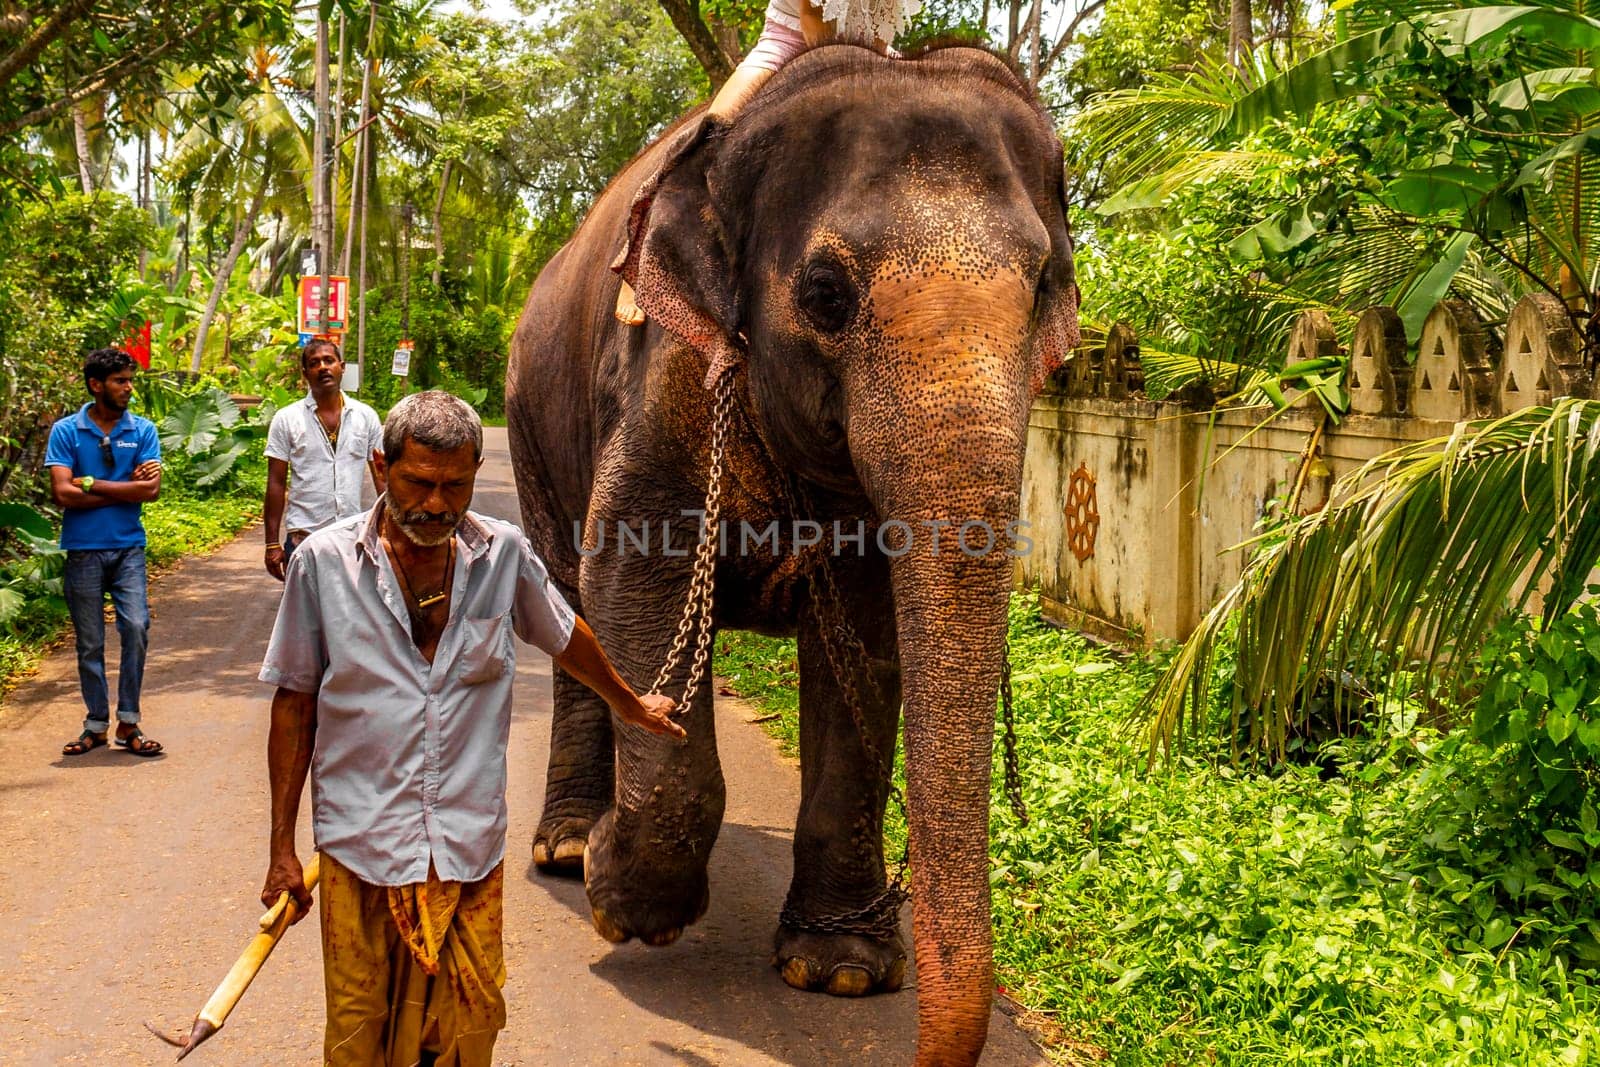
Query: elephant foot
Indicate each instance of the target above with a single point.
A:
(558, 845)
(844, 965)
(639, 898)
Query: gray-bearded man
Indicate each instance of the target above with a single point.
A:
(393, 661)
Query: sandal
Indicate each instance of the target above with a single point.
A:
(87, 741)
(137, 744)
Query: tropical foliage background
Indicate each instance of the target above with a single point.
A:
(1413, 152)
(1371, 768)
(155, 175)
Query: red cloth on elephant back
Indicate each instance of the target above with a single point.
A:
(658, 280)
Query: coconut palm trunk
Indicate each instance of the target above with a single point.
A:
(219, 281)
(80, 144)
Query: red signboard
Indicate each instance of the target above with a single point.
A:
(311, 315)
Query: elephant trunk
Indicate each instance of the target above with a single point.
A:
(943, 455)
(951, 623)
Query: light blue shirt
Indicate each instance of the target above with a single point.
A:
(410, 759)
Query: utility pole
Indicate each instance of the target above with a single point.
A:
(406, 213)
(338, 131)
(362, 168)
(321, 158)
(144, 187)
(367, 171)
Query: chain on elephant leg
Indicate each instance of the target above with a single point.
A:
(839, 931)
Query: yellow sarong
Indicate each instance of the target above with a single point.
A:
(411, 970)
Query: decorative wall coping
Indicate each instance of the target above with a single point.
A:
(1463, 368)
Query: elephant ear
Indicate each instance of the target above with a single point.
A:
(1055, 332)
(676, 258)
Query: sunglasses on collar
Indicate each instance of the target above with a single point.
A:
(106, 453)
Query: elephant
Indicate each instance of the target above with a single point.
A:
(876, 249)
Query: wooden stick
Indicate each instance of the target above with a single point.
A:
(276, 920)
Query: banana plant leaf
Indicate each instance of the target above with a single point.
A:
(1324, 77)
(14, 516)
(212, 469)
(1573, 87)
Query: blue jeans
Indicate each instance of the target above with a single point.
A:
(91, 574)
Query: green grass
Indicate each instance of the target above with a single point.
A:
(195, 526)
(1203, 913)
(181, 523)
(765, 670)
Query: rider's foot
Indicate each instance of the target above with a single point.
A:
(628, 313)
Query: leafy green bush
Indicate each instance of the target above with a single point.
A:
(1401, 903)
(1540, 705)
(459, 348)
(206, 429)
(30, 562)
(1385, 913)
(63, 263)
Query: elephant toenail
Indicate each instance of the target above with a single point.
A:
(541, 854)
(800, 972)
(896, 976)
(664, 938)
(606, 928)
(586, 865)
(849, 981)
(570, 849)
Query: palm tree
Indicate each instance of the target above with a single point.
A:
(240, 162)
(1487, 161)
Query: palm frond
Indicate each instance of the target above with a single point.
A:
(1148, 128)
(1419, 552)
(1166, 371)
(1194, 168)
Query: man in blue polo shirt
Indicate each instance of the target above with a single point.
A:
(104, 463)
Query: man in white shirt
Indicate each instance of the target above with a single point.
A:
(393, 661)
(328, 441)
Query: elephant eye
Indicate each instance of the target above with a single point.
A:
(826, 297)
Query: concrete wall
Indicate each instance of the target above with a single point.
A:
(1135, 507)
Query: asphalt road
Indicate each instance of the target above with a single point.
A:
(128, 886)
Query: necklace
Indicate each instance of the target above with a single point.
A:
(424, 603)
(332, 436)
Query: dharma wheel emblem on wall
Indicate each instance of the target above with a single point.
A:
(1082, 513)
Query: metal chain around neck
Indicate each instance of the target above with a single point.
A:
(697, 606)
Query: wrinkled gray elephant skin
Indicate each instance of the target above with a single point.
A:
(880, 247)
